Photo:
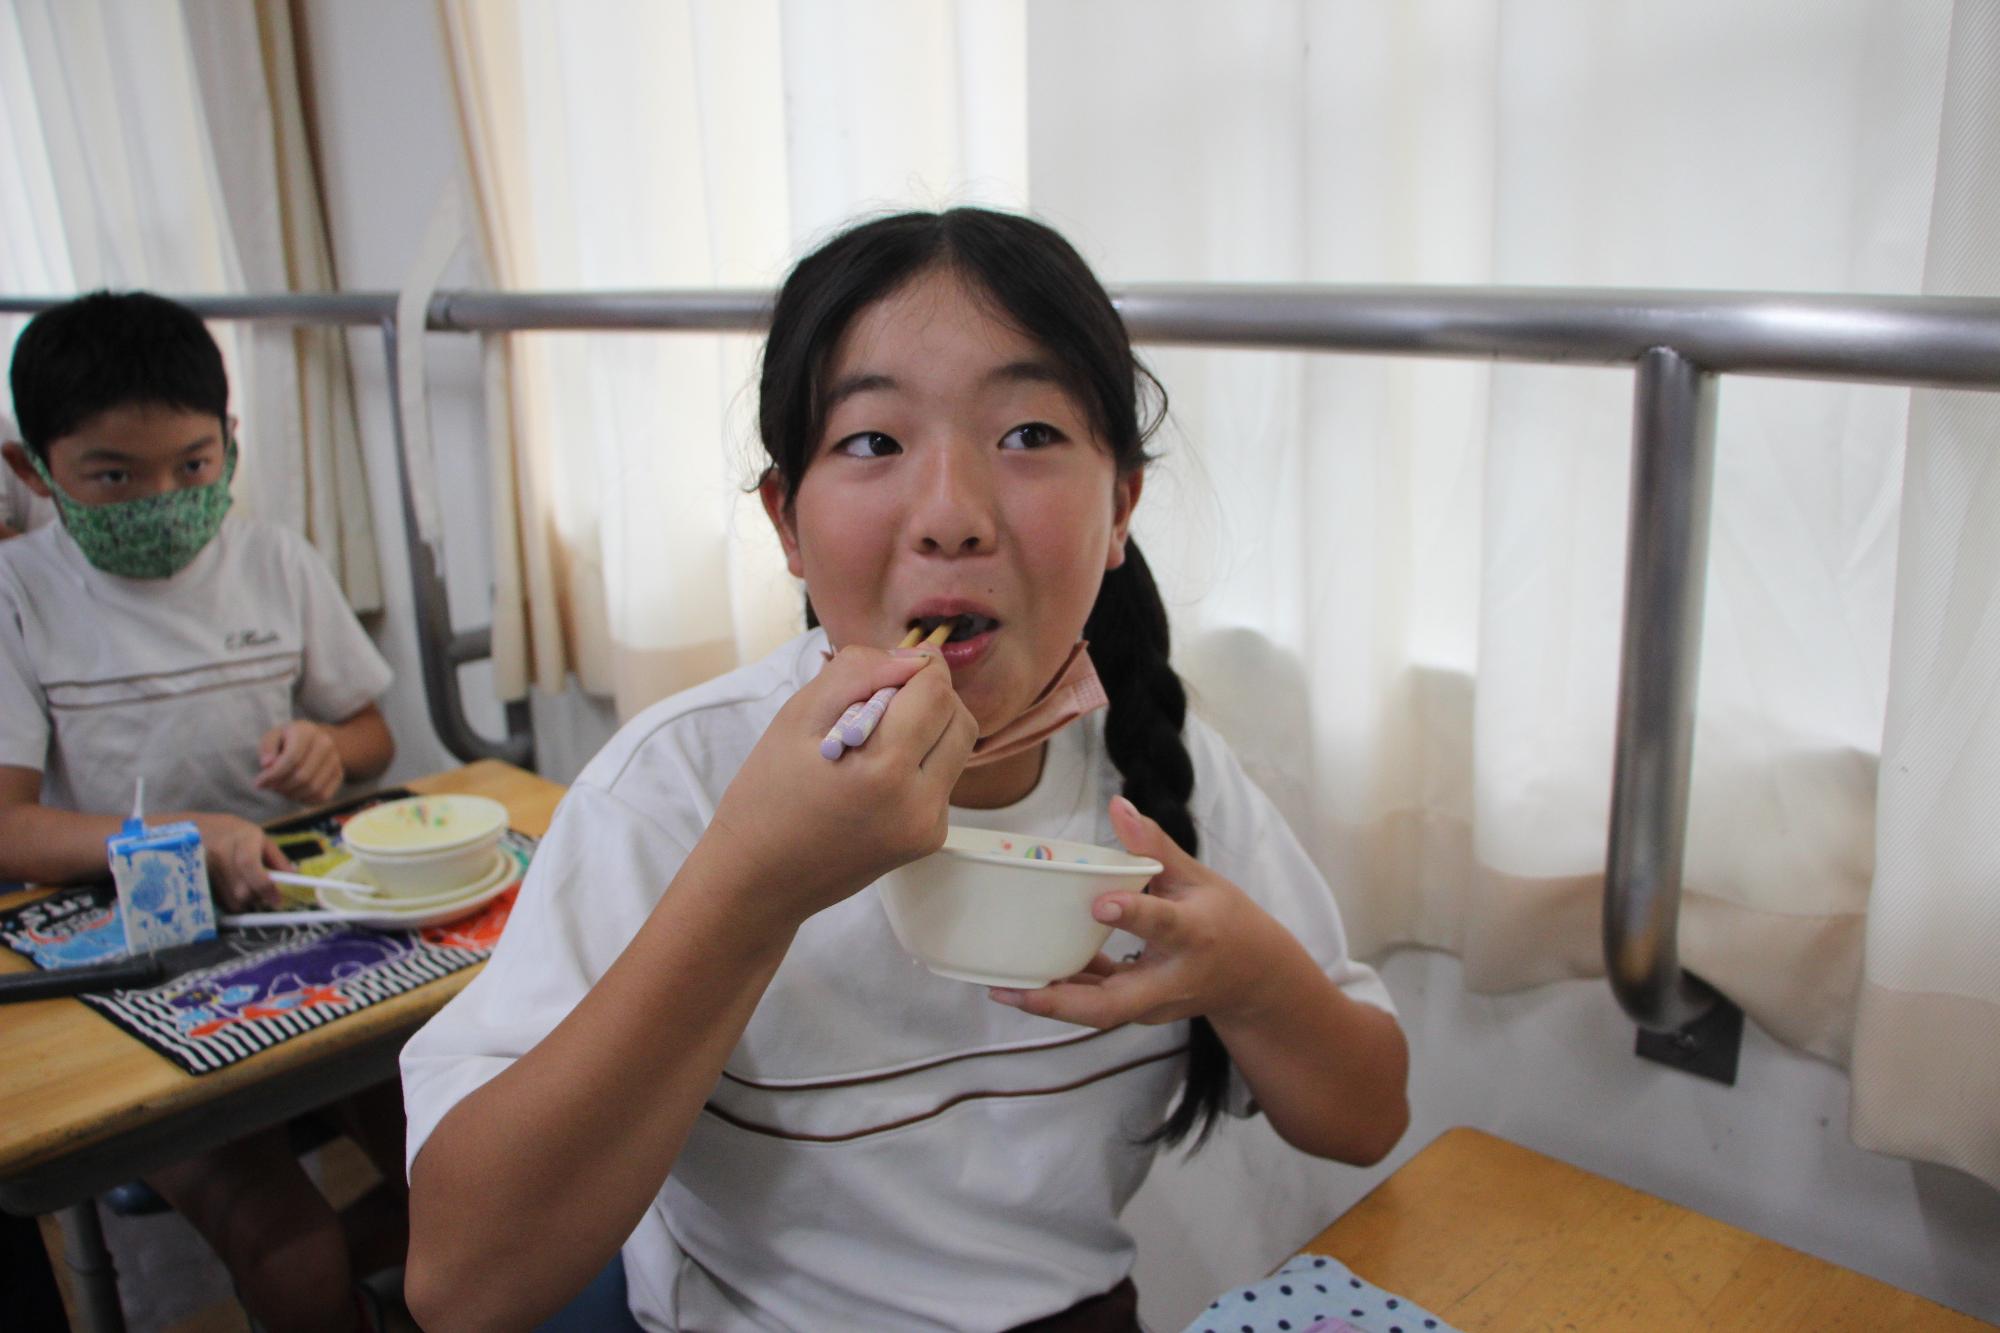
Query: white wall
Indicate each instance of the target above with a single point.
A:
(1552, 1068)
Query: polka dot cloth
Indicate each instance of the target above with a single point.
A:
(1314, 1294)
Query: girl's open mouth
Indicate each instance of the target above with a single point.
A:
(971, 636)
(963, 627)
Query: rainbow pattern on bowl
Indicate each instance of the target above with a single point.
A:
(1039, 851)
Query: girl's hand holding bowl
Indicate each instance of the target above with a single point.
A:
(1209, 948)
(808, 833)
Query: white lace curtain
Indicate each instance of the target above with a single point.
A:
(161, 144)
(1396, 585)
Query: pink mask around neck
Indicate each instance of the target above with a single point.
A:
(1075, 691)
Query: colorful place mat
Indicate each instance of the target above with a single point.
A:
(1314, 1294)
(282, 981)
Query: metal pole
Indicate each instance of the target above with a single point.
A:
(93, 1277)
(1899, 339)
(440, 652)
(1673, 466)
(1940, 340)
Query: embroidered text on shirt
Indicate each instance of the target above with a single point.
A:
(249, 638)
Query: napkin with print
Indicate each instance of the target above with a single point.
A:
(1314, 1294)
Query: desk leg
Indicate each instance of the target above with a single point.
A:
(93, 1279)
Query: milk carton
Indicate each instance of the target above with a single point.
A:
(162, 879)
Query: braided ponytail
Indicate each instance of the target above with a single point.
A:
(1129, 645)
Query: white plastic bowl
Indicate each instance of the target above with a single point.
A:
(425, 845)
(1000, 909)
(420, 825)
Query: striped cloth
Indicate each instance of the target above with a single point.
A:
(283, 981)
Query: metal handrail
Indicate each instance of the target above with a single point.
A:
(1918, 340)
(1678, 342)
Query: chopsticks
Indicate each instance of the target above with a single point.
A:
(858, 723)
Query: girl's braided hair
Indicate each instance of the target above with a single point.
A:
(1044, 287)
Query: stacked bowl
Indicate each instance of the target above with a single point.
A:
(427, 846)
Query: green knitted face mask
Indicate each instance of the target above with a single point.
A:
(149, 538)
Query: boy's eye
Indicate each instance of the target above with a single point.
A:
(1031, 435)
(868, 444)
(194, 466)
(116, 476)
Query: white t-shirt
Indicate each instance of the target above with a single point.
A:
(886, 1149)
(105, 679)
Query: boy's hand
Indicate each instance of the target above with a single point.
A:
(300, 762)
(240, 859)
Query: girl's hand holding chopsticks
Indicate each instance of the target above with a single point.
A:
(808, 833)
(858, 723)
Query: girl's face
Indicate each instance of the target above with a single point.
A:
(955, 477)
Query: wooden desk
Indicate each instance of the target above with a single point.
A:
(1492, 1236)
(83, 1106)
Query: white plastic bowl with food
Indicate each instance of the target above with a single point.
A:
(426, 845)
(1002, 909)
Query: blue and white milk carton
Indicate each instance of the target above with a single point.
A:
(162, 879)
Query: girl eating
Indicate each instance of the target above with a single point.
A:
(698, 1048)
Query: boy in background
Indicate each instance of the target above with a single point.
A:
(150, 634)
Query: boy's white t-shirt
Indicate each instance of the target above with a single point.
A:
(886, 1149)
(106, 679)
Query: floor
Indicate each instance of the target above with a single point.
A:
(170, 1283)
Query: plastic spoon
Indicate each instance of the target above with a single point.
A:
(354, 888)
(240, 920)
